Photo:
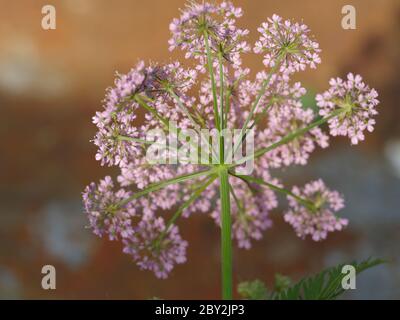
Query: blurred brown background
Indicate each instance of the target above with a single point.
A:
(52, 82)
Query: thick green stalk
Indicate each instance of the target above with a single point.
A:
(226, 224)
(226, 238)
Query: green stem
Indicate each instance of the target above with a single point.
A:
(295, 134)
(289, 137)
(185, 205)
(262, 114)
(183, 108)
(165, 146)
(221, 93)
(159, 185)
(196, 126)
(307, 203)
(253, 109)
(165, 122)
(227, 105)
(237, 201)
(226, 238)
(221, 108)
(132, 139)
(258, 118)
(214, 87)
(151, 110)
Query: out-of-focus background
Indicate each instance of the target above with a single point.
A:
(52, 82)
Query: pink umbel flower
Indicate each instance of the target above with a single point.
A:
(287, 41)
(286, 113)
(218, 21)
(153, 254)
(286, 119)
(105, 218)
(357, 102)
(172, 98)
(318, 218)
(142, 85)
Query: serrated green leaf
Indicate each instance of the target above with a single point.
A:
(326, 285)
(253, 290)
(282, 282)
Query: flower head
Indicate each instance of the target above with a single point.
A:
(285, 119)
(318, 218)
(357, 103)
(105, 217)
(153, 98)
(214, 22)
(146, 90)
(156, 248)
(288, 43)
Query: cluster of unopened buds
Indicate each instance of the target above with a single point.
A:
(142, 206)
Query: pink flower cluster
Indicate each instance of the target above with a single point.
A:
(289, 42)
(113, 214)
(152, 96)
(121, 105)
(356, 100)
(154, 255)
(319, 218)
(104, 218)
(217, 21)
(286, 114)
(250, 211)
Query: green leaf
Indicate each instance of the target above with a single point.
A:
(326, 285)
(253, 290)
(282, 282)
